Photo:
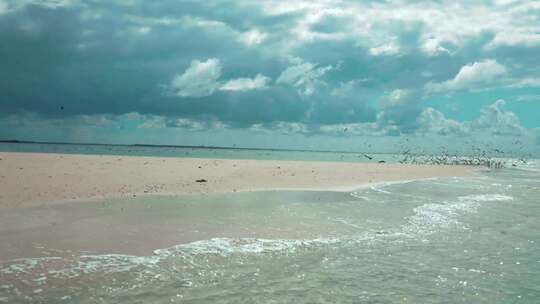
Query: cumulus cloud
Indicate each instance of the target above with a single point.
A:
(186, 123)
(433, 47)
(202, 78)
(290, 127)
(52, 4)
(369, 25)
(3, 7)
(399, 109)
(246, 84)
(528, 98)
(305, 76)
(346, 89)
(433, 121)
(498, 121)
(493, 120)
(371, 129)
(252, 37)
(523, 82)
(282, 127)
(399, 46)
(387, 49)
(199, 80)
(153, 122)
(517, 38)
(476, 75)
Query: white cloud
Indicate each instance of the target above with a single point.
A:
(96, 120)
(290, 127)
(202, 78)
(432, 47)
(397, 97)
(199, 80)
(355, 129)
(188, 124)
(304, 76)
(161, 21)
(447, 27)
(162, 122)
(249, 38)
(143, 30)
(346, 89)
(433, 121)
(477, 75)
(3, 7)
(190, 21)
(399, 108)
(252, 37)
(53, 4)
(498, 121)
(518, 38)
(152, 122)
(371, 129)
(493, 120)
(527, 98)
(387, 49)
(245, 84)
(523, 82)
(282, 127)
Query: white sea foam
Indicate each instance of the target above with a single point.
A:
(228, 246)
(429, 218)
(105, 263)
(377, 189)
(380, 187)
(347, 222)
(486, 197)
(357, 195)
(426, 219)
(531, 165)
(60, 268)
(25, 265)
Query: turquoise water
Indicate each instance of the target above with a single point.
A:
(462, 240)
(223, 153)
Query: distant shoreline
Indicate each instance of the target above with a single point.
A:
(36, 179)
(14, 141)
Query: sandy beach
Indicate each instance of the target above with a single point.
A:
(34, 179)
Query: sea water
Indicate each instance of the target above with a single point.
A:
(200, 152)
(455, 240)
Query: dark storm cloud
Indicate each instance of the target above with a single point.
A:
(66, 58)
(74, 60)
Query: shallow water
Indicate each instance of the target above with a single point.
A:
(466, 240)
(222, 153)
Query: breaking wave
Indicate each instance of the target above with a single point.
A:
(425, 219)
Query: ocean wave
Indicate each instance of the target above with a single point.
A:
(432, 217)
(531, 165)
(73, 267)
(426, 219)
(486, 197)
(381, 187)
(228, 246)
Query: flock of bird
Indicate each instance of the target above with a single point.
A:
(482, 159)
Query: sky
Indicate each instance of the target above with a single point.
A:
(328, 74)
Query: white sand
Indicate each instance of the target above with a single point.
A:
(34, 179)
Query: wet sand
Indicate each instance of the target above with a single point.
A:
(62, 204)
(34, 179)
